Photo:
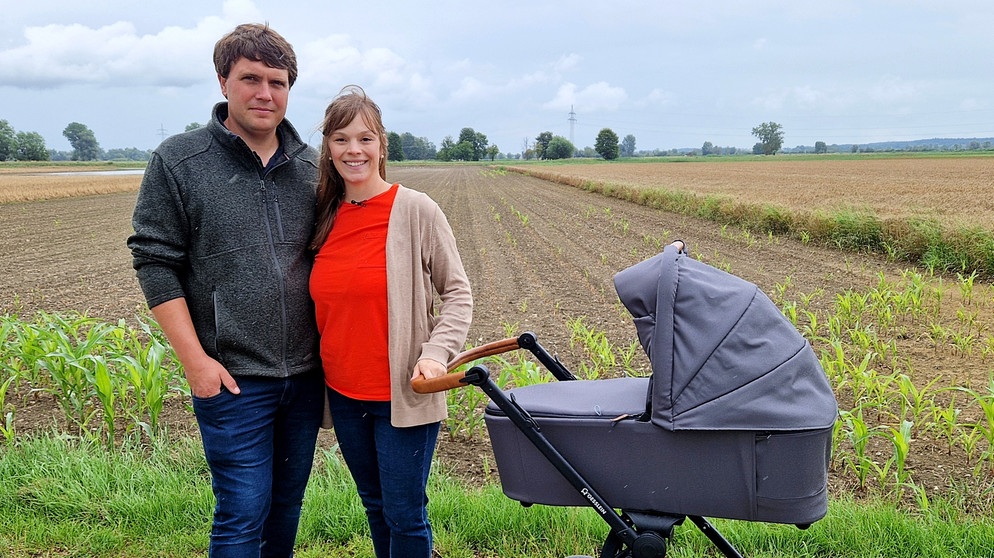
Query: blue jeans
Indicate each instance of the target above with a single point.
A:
(259, 445)
(390, 467)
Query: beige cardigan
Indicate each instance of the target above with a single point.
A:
(422, 259)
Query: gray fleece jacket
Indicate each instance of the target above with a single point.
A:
(211, 226)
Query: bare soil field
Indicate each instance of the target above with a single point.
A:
(538, 255)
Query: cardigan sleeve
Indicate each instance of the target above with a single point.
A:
(449, 279)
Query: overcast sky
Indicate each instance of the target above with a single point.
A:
(673, 74)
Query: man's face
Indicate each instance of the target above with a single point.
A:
(257, 97)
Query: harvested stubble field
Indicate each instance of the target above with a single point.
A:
(36, 183)
(541, 256)
(955, 190)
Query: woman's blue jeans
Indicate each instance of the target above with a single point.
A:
(259, 445)
(390, 467)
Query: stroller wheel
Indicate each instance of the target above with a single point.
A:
(647, 545)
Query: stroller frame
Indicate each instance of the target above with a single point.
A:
(632, 534)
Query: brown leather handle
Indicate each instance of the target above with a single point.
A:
(454, 380)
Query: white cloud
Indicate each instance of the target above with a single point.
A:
(674, 75)
(595, 97)
(469, 88)
(892, 89)
(114, 55)
(655, 99)
(567, 62)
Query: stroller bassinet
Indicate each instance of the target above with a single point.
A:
(735, 421)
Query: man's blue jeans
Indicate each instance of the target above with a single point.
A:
(390, 466)
(259, 445)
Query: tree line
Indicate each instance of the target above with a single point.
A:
(470, 145)
(30, 146)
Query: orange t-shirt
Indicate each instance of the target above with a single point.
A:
(349, 287)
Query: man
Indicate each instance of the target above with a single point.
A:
(222, 223)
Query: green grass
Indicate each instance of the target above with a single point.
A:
(63, 497)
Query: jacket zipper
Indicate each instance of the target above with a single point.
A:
(281, 281)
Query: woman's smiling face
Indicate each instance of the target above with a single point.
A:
(356, 151)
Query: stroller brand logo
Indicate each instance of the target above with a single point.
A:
(590, 497)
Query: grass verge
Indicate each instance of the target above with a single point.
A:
(60, 496)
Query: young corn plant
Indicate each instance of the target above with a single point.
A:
(915, 403)
(985, 426)
(146, 383)
(901, 440)
(945, 421)
(859, 434)
(465, 416)
(597, 347)
(7, 426)
(965, 285)
(99, 376)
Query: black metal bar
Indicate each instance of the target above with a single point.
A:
(479, 376)
(528, 341)
(716, 538)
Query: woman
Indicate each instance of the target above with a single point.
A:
(383, 250)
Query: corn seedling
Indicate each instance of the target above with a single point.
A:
(7, 428)
(966, 287)
(946, 423)
(859, 435)
(95, 369)
(901, 440)
(915, 402)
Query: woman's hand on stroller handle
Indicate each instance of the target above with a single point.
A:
(423, 385)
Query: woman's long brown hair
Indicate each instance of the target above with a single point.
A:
(350, 102)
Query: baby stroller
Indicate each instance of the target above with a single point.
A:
(734, 422)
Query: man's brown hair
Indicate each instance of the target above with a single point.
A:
(257, 42)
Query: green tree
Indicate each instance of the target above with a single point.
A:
(8, 141)
(542, 142)
(395, 147)
(492, 152)
(463, 151)
(83, 142)
(559, 148)
(820, 147)
(707, 148)
(192, 126)
(445, 153)
(31, 147)
(477, 142)
(770, 136)
(417, 149)
(127, 154)
(628, 146)
(606, 144)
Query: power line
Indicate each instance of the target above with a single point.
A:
(572, 123)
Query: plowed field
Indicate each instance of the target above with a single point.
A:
(538, 255)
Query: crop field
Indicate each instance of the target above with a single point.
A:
(910, 352)
(38, 183)
(956, 190)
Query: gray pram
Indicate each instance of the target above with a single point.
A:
(735, 421)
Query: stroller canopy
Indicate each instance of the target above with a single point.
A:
(723, 355)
